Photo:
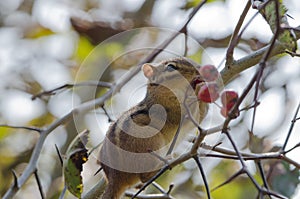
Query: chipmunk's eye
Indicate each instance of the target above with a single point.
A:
(171, 67)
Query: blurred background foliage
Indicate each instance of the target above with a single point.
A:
(45, 44)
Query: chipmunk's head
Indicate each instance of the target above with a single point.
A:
(173, 73)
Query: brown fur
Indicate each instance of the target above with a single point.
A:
(166, 89)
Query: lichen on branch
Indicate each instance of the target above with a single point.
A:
(275, 13)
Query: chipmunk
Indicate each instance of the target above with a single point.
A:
(150, 126)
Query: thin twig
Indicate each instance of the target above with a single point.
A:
(291, 149)
(172, 145)
(290, 161)
(291, 128)
(106, 113)
(163, 194)
(100, 168)
(68, 86)
(202, 172)
(158, 157)
(293, 54)
(238, 153)
(234, 36)
(39, 184)
(162, 170)
(16, 185)
(30, 128)
(189, 113)
(255, 157)
(262, 174)
(185, 44)
(250, 107)
(192, 14)
(159, 188)
(246, 26)
(149, 196)
(229, 154)
(258, 78)
(231, 178)
(59, 155)
(63, 192)
(171, 186)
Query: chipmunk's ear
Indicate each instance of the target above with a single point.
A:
(148, 70)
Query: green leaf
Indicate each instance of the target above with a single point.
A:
(240, 187)
(76, 156)
(193, 3)
(4, 132)
(84, 48)
(285, 180)
(286, 36)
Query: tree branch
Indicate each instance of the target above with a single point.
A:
(236, 67)
(234, 37)
(68, 86)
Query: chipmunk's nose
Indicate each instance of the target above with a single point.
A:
(148, 70)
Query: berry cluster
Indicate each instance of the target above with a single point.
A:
(210, 90)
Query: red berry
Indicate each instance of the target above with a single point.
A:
(229, 97)
(224, 111)
(209, 92)
(209, 73)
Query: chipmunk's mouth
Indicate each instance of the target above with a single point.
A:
(154, 84)
(197, 80)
